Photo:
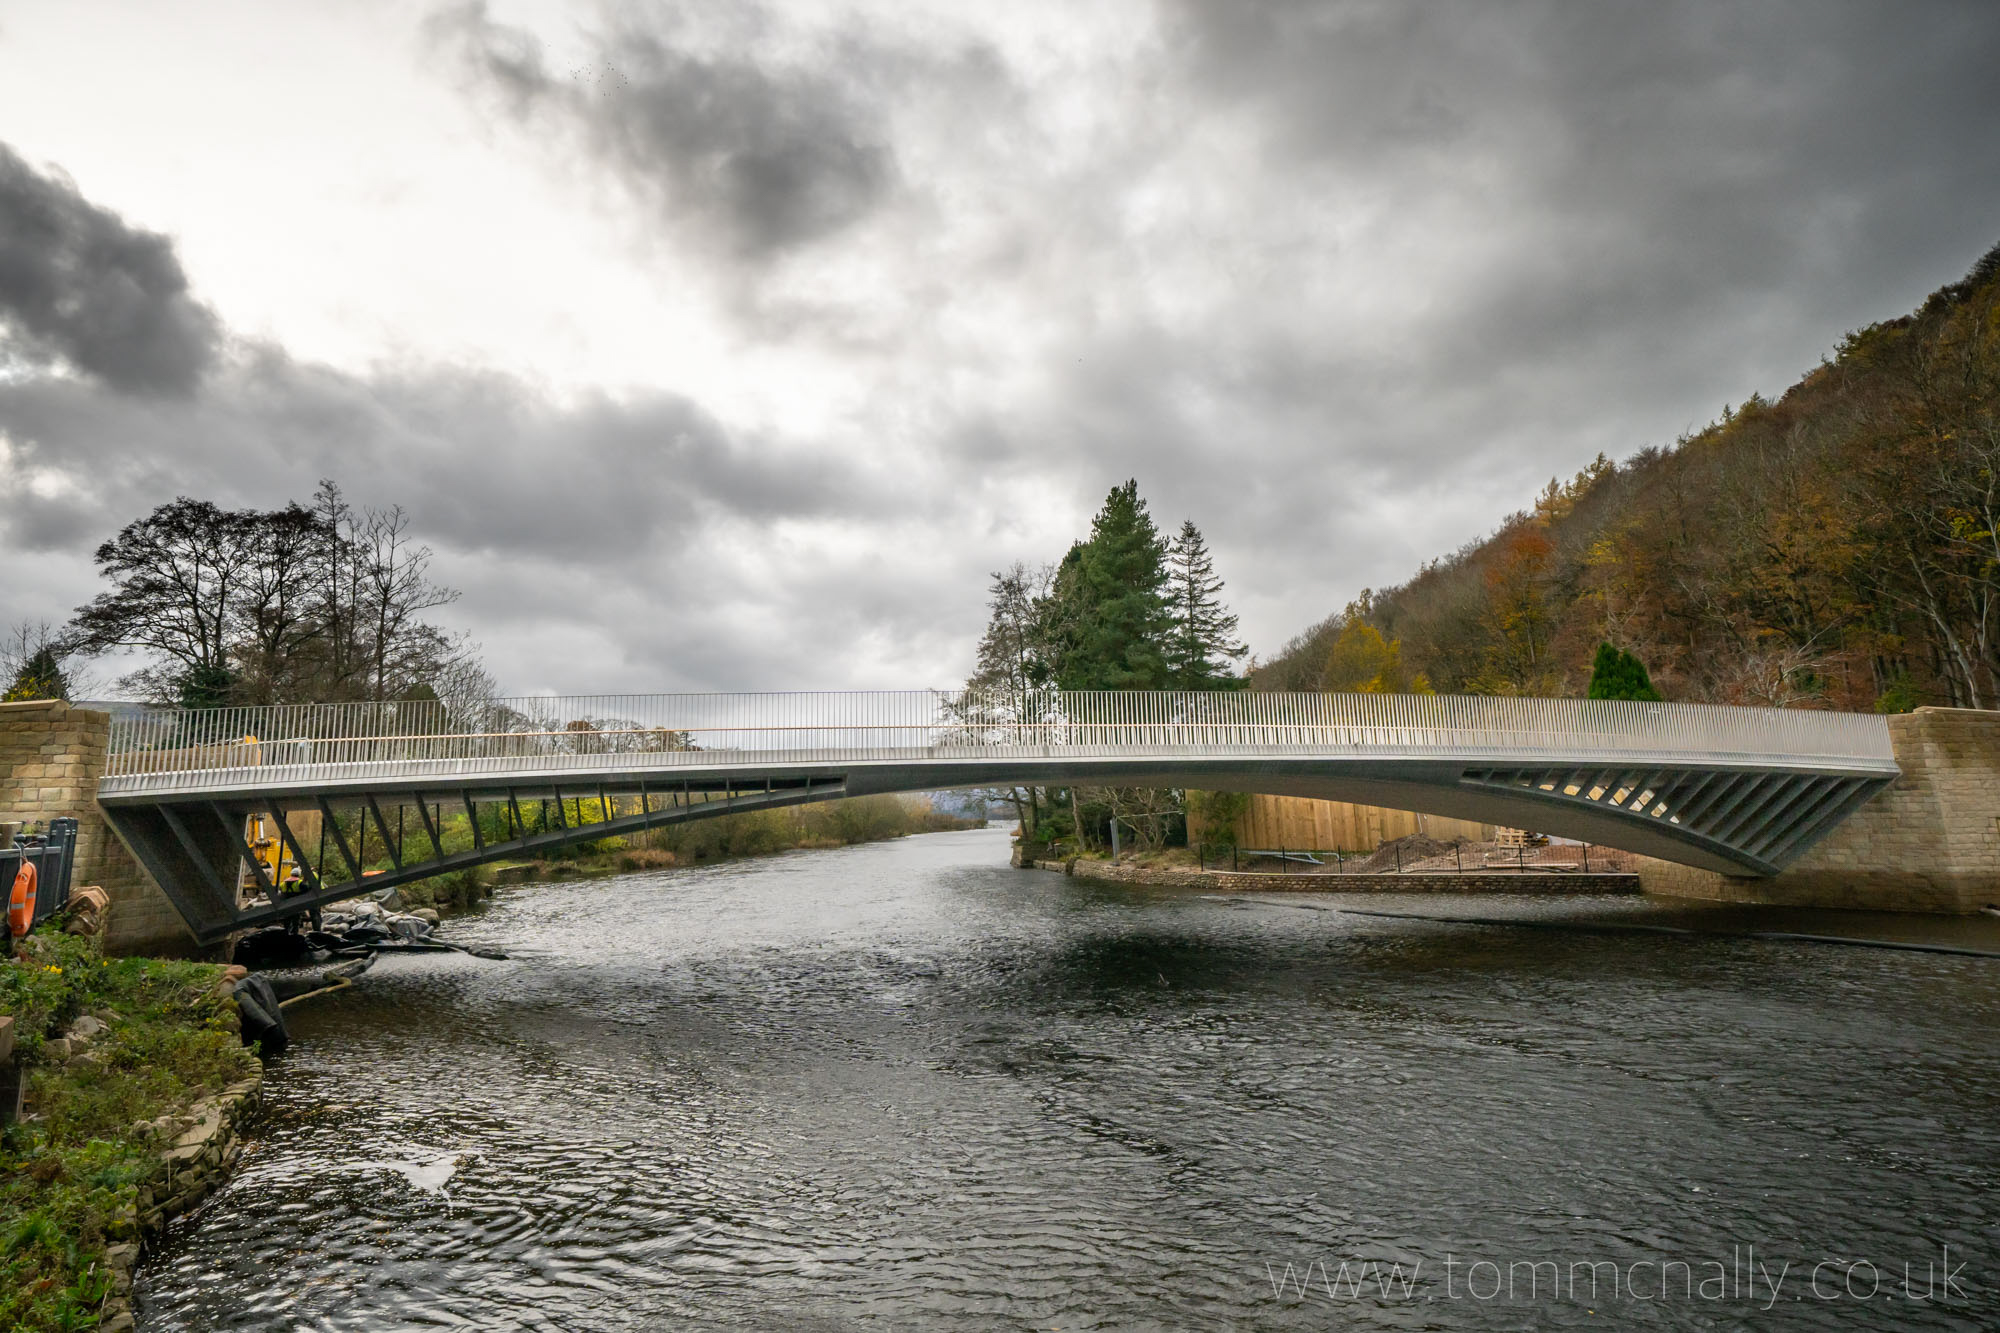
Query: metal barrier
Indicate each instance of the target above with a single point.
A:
(53, 854)
(1733, 790)
(172, 750)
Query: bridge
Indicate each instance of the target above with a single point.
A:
(1742, 791)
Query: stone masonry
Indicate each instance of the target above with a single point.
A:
(51, 756)
(1930, 843)
(1226, 881)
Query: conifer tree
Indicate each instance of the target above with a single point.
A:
(1616, 674)
(1204, 644)
(1111, 594)
(39, 676)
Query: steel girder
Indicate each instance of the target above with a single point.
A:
(1737, 817)
(196, 852)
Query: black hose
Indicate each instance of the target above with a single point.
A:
(1634, 928)
(1910, 946)
(1580, 927)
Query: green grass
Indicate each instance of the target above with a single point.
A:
(67, 1177)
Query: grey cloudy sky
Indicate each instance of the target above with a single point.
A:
(729, 347)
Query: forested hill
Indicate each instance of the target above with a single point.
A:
(1836, 548)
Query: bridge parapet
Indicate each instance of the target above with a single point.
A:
(172, 750)
(1736, 790)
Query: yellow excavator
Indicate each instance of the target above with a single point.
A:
(267, 844)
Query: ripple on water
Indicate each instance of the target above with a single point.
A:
(903, 1084)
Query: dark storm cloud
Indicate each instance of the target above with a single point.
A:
(1573, 227)
(1343, 282)
(1638, 168)
(484, 463)
(598, 538)
(596, 541)
(762, 158)
(79, 286)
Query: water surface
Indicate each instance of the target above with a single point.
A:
(903, 1086)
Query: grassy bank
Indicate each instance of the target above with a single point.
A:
(70, 1175)
(759, 833)
(725, 837)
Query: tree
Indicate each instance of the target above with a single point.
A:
(1013, 653)
(1616, 674)
(1363, 660)
(1837, 546)
(1114, 618)
(1203, 642)
(1521, 619)
(174, 580)
(276, 610)
(31, 661)
(374, 586)
(1108, 627)
(1012, 661)
(399, 650)
(1216, 814)
(291, 605)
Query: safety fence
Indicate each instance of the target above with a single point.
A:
(151, 749)
(52, 855)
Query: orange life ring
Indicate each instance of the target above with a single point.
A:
(21, 907)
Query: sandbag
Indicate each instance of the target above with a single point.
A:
(274, 946)
(85, 912)
(262, 1018)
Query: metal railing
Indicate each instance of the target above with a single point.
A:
(150, 750)
(53, 854)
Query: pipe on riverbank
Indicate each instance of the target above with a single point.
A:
(341, 983)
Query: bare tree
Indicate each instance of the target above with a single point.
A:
(1011, 666)
(396, 589)
(319, 603)
(174, 576)
(276, 610)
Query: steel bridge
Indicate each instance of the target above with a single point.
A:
(1738, 790)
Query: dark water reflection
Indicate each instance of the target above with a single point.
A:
(902, 1085)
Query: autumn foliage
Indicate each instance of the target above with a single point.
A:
(1836, 548)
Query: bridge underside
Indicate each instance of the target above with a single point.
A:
(1738, 819)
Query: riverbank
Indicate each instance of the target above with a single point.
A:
(1161, 873)
(821, 824)
(135, 1079)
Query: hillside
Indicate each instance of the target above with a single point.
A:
(1836, 548)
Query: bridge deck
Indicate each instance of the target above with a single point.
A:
(1736, 789)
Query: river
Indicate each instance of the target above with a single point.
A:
(903, 1085)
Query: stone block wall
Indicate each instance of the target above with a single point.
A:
(1930, 843)
(1229, 881)
(51, 756)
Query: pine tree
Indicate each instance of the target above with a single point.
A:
(1204, 640)
(39, 676)
(1111, 610)
(1616, 674)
